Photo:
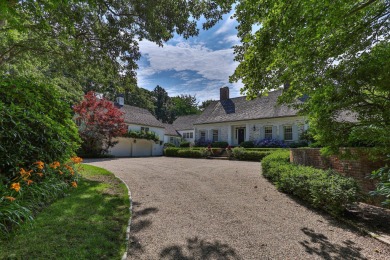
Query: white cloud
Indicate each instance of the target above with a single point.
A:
(211, 65)
(228, 25)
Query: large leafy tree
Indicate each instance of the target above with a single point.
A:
(94, 41)
(162, 105)
(100, 122)
(185, 105)
(334, 52)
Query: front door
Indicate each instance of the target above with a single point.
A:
(241, 135)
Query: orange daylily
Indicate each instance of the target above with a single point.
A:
(25, 174)
(29, 182)
(70, 169)
(40, 164)
(74, 184)
(55, 165)
(76, 159)
(10, 198)
(15, 186)
(60, 172)
(40, 174)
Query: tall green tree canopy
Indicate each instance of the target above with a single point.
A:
(94, 40)
(335, 52)
(185, 105)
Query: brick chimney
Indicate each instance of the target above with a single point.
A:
(224, 93)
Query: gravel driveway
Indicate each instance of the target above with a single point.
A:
(215, 209)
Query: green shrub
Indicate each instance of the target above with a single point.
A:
(220, 144)
(169, 145)
(185, 144)
(322, 189)
(383, 186)
(189, 153)
(35, 124)
(247, 144)
(245, 155)
(171, 151)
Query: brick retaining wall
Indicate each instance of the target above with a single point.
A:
(358, 169)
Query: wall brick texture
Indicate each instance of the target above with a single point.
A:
(359, 169)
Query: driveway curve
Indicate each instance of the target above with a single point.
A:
(216, 209)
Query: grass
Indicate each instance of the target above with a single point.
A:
(89, 223)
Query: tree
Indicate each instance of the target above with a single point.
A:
(140, 97)
(184, 105)
(100, 122)
(98, 40)
(205, 104)
(162, 105)
(334, 52)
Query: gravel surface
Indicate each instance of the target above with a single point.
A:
(215, 209)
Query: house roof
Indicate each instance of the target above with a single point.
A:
(238, 109)
(170, 130)
(185, 122)
(139, 116)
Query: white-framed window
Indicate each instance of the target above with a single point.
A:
(215, 135)
(268, 132)
(191, 135)
(172, 139)
(144, 129)
(288, 133)
(202, 135)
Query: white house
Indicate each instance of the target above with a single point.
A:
(141, 120)
(171, 135)
(184, 125)
(236, 120)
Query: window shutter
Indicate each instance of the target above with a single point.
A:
(261, 132)
(274, 132)
(295, 132)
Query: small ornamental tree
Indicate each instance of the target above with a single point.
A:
(100, 121)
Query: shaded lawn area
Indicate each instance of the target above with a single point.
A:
(89, 223)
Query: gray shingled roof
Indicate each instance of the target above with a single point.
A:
(170, 130)
(140, 116)
(238, 109)
(185, 122)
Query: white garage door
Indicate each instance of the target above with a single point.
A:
(142, 148)
(122, 148)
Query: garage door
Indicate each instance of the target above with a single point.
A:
(142, 148)
(122, 148)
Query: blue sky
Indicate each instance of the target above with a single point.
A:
(197, 66)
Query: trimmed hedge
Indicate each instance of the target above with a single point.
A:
(171, 151)
(189, 153)
(244, 155)
(247, 144)
(219, 144)
(327, 190)
(185, 144)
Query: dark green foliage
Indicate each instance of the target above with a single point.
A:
(171, 151)
(383, 186)
(247, 144)
(35, 124)
(169, 145)
(298, 144)
(219, 144)
(189, 153)
(322, 189)
(244, 155)
(185, 144)
(142, 135)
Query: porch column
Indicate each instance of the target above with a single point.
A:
(229, 135)
(247, 132)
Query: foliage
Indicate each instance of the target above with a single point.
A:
(140, 97)
(190, 153)
(327, 190)
(270, 143)
(242, 154)
(67, 227)
(247, 144)
(33, 189)
(298, 144)
(148, 135)
(34, 123)
(383, 186)
(205, 104)
(185, 144)
(95, 43)
(162, 105)
(220, 144)
(171, 151)
(184, 105)
(201, 142)
(169, 145)
(101, 121)
(326, 51)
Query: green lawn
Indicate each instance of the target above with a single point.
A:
(90, 223)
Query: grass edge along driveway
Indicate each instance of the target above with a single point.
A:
(89, 223)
